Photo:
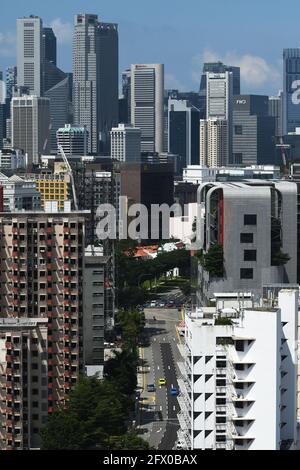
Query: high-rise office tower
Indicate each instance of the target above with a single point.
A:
(253, 131)
(147, 104)
(126, 97)
(30, 54)
(126, 143)
(219, 108)
(44, 273)
(31, 126)
(275, 110)
(49, 45)
(291, 105)
(60, 108)
(95, 79)
(183, 131)
(213, 142)
(11, 81)
(73, 139)
(217, 67)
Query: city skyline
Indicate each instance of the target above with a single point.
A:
(165, 38)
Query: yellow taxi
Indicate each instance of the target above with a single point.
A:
(162, 381)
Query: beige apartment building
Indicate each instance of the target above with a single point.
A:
(41, 278)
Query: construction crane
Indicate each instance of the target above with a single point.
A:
(70, 173)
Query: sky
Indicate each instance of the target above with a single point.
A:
(182, 34)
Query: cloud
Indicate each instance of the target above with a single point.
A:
(255, 70)
(7, 44)
(172, 83)
(63, 31)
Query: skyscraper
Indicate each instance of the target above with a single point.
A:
(218, 108)
(49, 45)
(126, 143)
(11, 81)
(275, 110)
(60, 108)
(95, 79)
(147, 104)
(253, 131)
(73, 139)
(30, 53)
(213, 142)
(291, 104)
(217, 67)
(31, 125)
(183, 131)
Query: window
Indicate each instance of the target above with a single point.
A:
(238, 130)
(246, 237)
(250, 219)
(238, 158)
(249, 255)
(246, 273)
(239, 345)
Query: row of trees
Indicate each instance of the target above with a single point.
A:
(97, 414)
(132, 272)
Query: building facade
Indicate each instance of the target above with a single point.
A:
(125, 143)
(31, 126)
(254, 225)
(291, 75)
(184, 131)
(214, 145)
(42, 278)
(30, 54)
(147, 104)
(254, 131)
(95, 79)
(73, 139)
(240, 376)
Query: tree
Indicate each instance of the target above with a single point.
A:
(213, 260)
(130, 441)
(279, 258)
(63, 432)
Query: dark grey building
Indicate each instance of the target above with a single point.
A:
(291, 103)
(95, 79)
(49, 45)
(253, 131)
(217, 67)
(275, 110)
(184, 131)
(60, 108)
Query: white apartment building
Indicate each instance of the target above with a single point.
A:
(147, 104)
(125, 143)
(214, 142)
(239, 391)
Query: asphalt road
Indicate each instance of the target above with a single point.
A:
(158, 410)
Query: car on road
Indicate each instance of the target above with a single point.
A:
(153, 304)
(174, 391)
(161, 305)
(150, 388)
(162, 381)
